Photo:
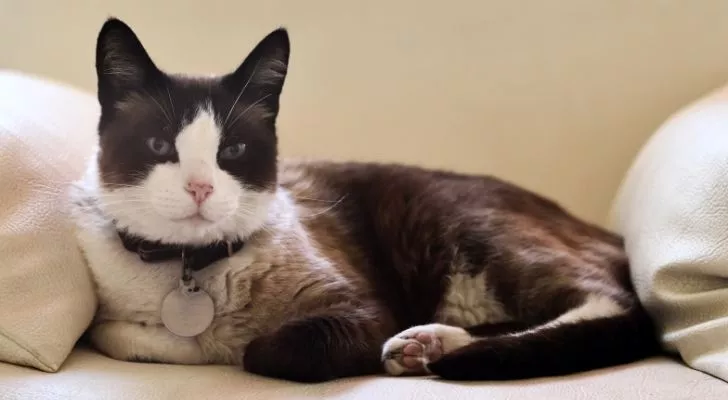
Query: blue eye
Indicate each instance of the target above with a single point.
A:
(159, 146)
(233, 151)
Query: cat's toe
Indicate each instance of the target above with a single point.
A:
(404, 356)
(409, 352)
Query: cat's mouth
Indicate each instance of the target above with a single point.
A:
(195, 219)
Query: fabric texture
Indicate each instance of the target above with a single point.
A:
(673, 212)
(47, 299)
(88, 375)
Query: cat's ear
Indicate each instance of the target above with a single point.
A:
(122, 64)
(261, 76)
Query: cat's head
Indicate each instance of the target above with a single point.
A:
(187, 159)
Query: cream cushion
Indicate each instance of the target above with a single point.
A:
(47, 299)
(673, 212)
(89, 375)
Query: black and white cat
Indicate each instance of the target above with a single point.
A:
(315, 271)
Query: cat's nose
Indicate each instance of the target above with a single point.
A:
(200, 190)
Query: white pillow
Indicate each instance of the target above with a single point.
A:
(47, 301)
(673, 212)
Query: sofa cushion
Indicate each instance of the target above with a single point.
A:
(89, 375)
(673, 212)
(47, 301)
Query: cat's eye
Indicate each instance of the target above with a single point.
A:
(233, 151)
(159, 146)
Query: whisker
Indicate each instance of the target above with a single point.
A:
(328, 209)
(171, 103)
(246, 212)
(124, 186)
(169, 119)
(123, 201)
(48, 192)
(247, 109)
(113, 194)
(313, 199)
(255, 69)
(61, 185)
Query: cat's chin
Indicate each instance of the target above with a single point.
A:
(195, 219)
(191, 231)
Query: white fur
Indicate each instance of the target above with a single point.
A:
(157, 207)
(468, 301)
(197, 146)
(595, 306)
(121, 339)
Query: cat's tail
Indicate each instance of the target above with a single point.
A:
(554, 349)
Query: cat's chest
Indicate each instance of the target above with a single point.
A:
(130, 289)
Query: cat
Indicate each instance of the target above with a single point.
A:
(323, 270)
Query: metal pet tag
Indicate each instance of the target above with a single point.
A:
(188, 310)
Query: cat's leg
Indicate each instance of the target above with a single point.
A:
(409, 352)
(135, 342)
(340, 341)
(498, 328)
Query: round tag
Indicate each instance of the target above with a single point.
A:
(187, 312)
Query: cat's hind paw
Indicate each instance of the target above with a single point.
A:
(410, 351)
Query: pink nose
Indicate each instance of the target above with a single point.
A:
(200, 190)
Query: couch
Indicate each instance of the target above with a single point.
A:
(575, 115)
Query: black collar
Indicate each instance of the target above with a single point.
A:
(193, 257)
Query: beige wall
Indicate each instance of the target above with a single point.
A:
(555, 95)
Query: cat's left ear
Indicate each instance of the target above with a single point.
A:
(261, 76)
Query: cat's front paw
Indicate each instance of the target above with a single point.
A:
(410, 351)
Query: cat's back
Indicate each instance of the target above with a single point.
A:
(378, 184)
(397, 203)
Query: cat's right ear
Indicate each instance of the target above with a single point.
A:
(122, 64)
(263, 72)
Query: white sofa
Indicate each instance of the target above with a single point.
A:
(88, 375)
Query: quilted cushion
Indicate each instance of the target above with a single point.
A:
(88, 375)
(673, 212)
(47, 301)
